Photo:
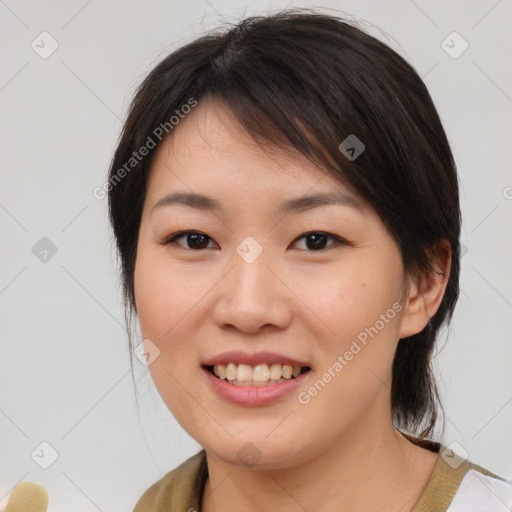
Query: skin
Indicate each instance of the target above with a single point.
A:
(339, 451)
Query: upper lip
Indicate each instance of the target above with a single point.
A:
(253, 359)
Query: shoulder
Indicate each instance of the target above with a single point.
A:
(458, 485)
(480, 490)
(180, 489)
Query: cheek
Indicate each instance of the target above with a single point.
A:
(165, 301)
(360, 310)
(163, 295)
(354, 373)
(363, 291)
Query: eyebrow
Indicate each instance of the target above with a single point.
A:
(203, 202)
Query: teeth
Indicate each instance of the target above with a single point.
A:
(276, 371)
(261, 374)
(244, 373)
(287, 371)
(231, 371)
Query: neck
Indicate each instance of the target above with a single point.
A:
(368, 469)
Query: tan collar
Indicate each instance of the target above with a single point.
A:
(181, 489)
(445, 479)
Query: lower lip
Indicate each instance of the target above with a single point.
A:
(254, 395)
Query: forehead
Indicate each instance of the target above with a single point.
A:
(209, 148)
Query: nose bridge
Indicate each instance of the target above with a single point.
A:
(250, 296)
(251, 279)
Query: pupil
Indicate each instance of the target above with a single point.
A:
(318, 241)
(195, 243)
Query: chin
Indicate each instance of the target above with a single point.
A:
(256, 452)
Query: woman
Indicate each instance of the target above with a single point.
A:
(285, 205)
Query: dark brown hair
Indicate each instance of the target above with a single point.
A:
(305, 81)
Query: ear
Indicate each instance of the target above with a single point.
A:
(424, 294)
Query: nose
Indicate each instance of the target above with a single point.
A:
(252, 297)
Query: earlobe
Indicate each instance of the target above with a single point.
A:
(426, 293)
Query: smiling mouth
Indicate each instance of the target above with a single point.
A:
(258, 375)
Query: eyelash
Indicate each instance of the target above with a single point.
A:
(339, 241)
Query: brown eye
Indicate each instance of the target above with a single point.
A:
(316, 240)
(195, 239)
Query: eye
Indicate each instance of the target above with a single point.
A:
(196, 239)
(315, 240)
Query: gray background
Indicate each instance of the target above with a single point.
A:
(64, 366)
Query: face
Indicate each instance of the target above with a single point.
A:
(252, 289)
